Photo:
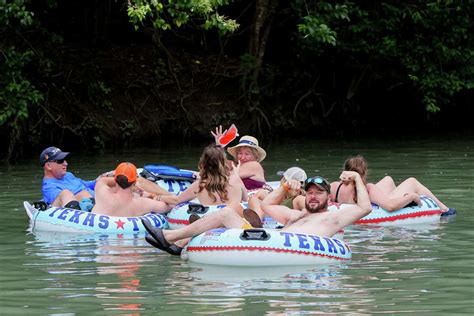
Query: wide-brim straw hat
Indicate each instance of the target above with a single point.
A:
(251, 142)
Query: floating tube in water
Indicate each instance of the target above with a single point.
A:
(168, 177)
(428, 212)
(173, 186)
(178, 217)
(63, 219)
(168, 172)
(264, 247)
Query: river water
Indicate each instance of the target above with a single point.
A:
(415, 270)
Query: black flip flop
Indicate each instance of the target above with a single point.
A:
(172, 250)
(449, 212)
(252, 218)
(193, 217)
(157, 234)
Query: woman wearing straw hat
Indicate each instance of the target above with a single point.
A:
(249, 155)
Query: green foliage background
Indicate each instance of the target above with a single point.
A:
(121, 73)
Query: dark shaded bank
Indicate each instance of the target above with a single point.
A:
(105, 85)
(113, 97)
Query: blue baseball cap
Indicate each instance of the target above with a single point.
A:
(52, 153)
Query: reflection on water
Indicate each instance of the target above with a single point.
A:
(117, 258)
(323, 277)
(420, 269)
(124, 262)
(127, 275)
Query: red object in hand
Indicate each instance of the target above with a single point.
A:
(228, 136)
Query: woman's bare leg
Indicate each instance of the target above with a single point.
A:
(386, 185)
(412, 185)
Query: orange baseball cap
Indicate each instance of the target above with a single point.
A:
(128, 170)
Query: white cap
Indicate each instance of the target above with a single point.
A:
(294, 173)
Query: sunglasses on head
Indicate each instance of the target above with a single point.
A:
(58, 161)
(319, 181)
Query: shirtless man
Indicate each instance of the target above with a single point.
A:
(314, 219)
(114, 196)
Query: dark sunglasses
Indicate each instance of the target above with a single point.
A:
(59, 161)
(319, 181)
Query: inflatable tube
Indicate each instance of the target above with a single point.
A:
(167, 172)
(69, 220)
(178, 217)
(174, 184)
(264, 247)
(428, 212)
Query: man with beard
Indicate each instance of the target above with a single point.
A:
(314, 219)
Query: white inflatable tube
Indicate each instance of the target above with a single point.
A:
(62, 219)
(178, 217)
(264, 247)
(428, 212)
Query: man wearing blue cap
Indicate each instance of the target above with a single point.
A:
(61, 188)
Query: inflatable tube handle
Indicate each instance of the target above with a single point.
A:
(40, 205)
(254, 234)
(194, 208)
(148, 175)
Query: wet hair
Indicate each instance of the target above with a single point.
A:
(357, 164)
(214, 175)
(122, 181)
